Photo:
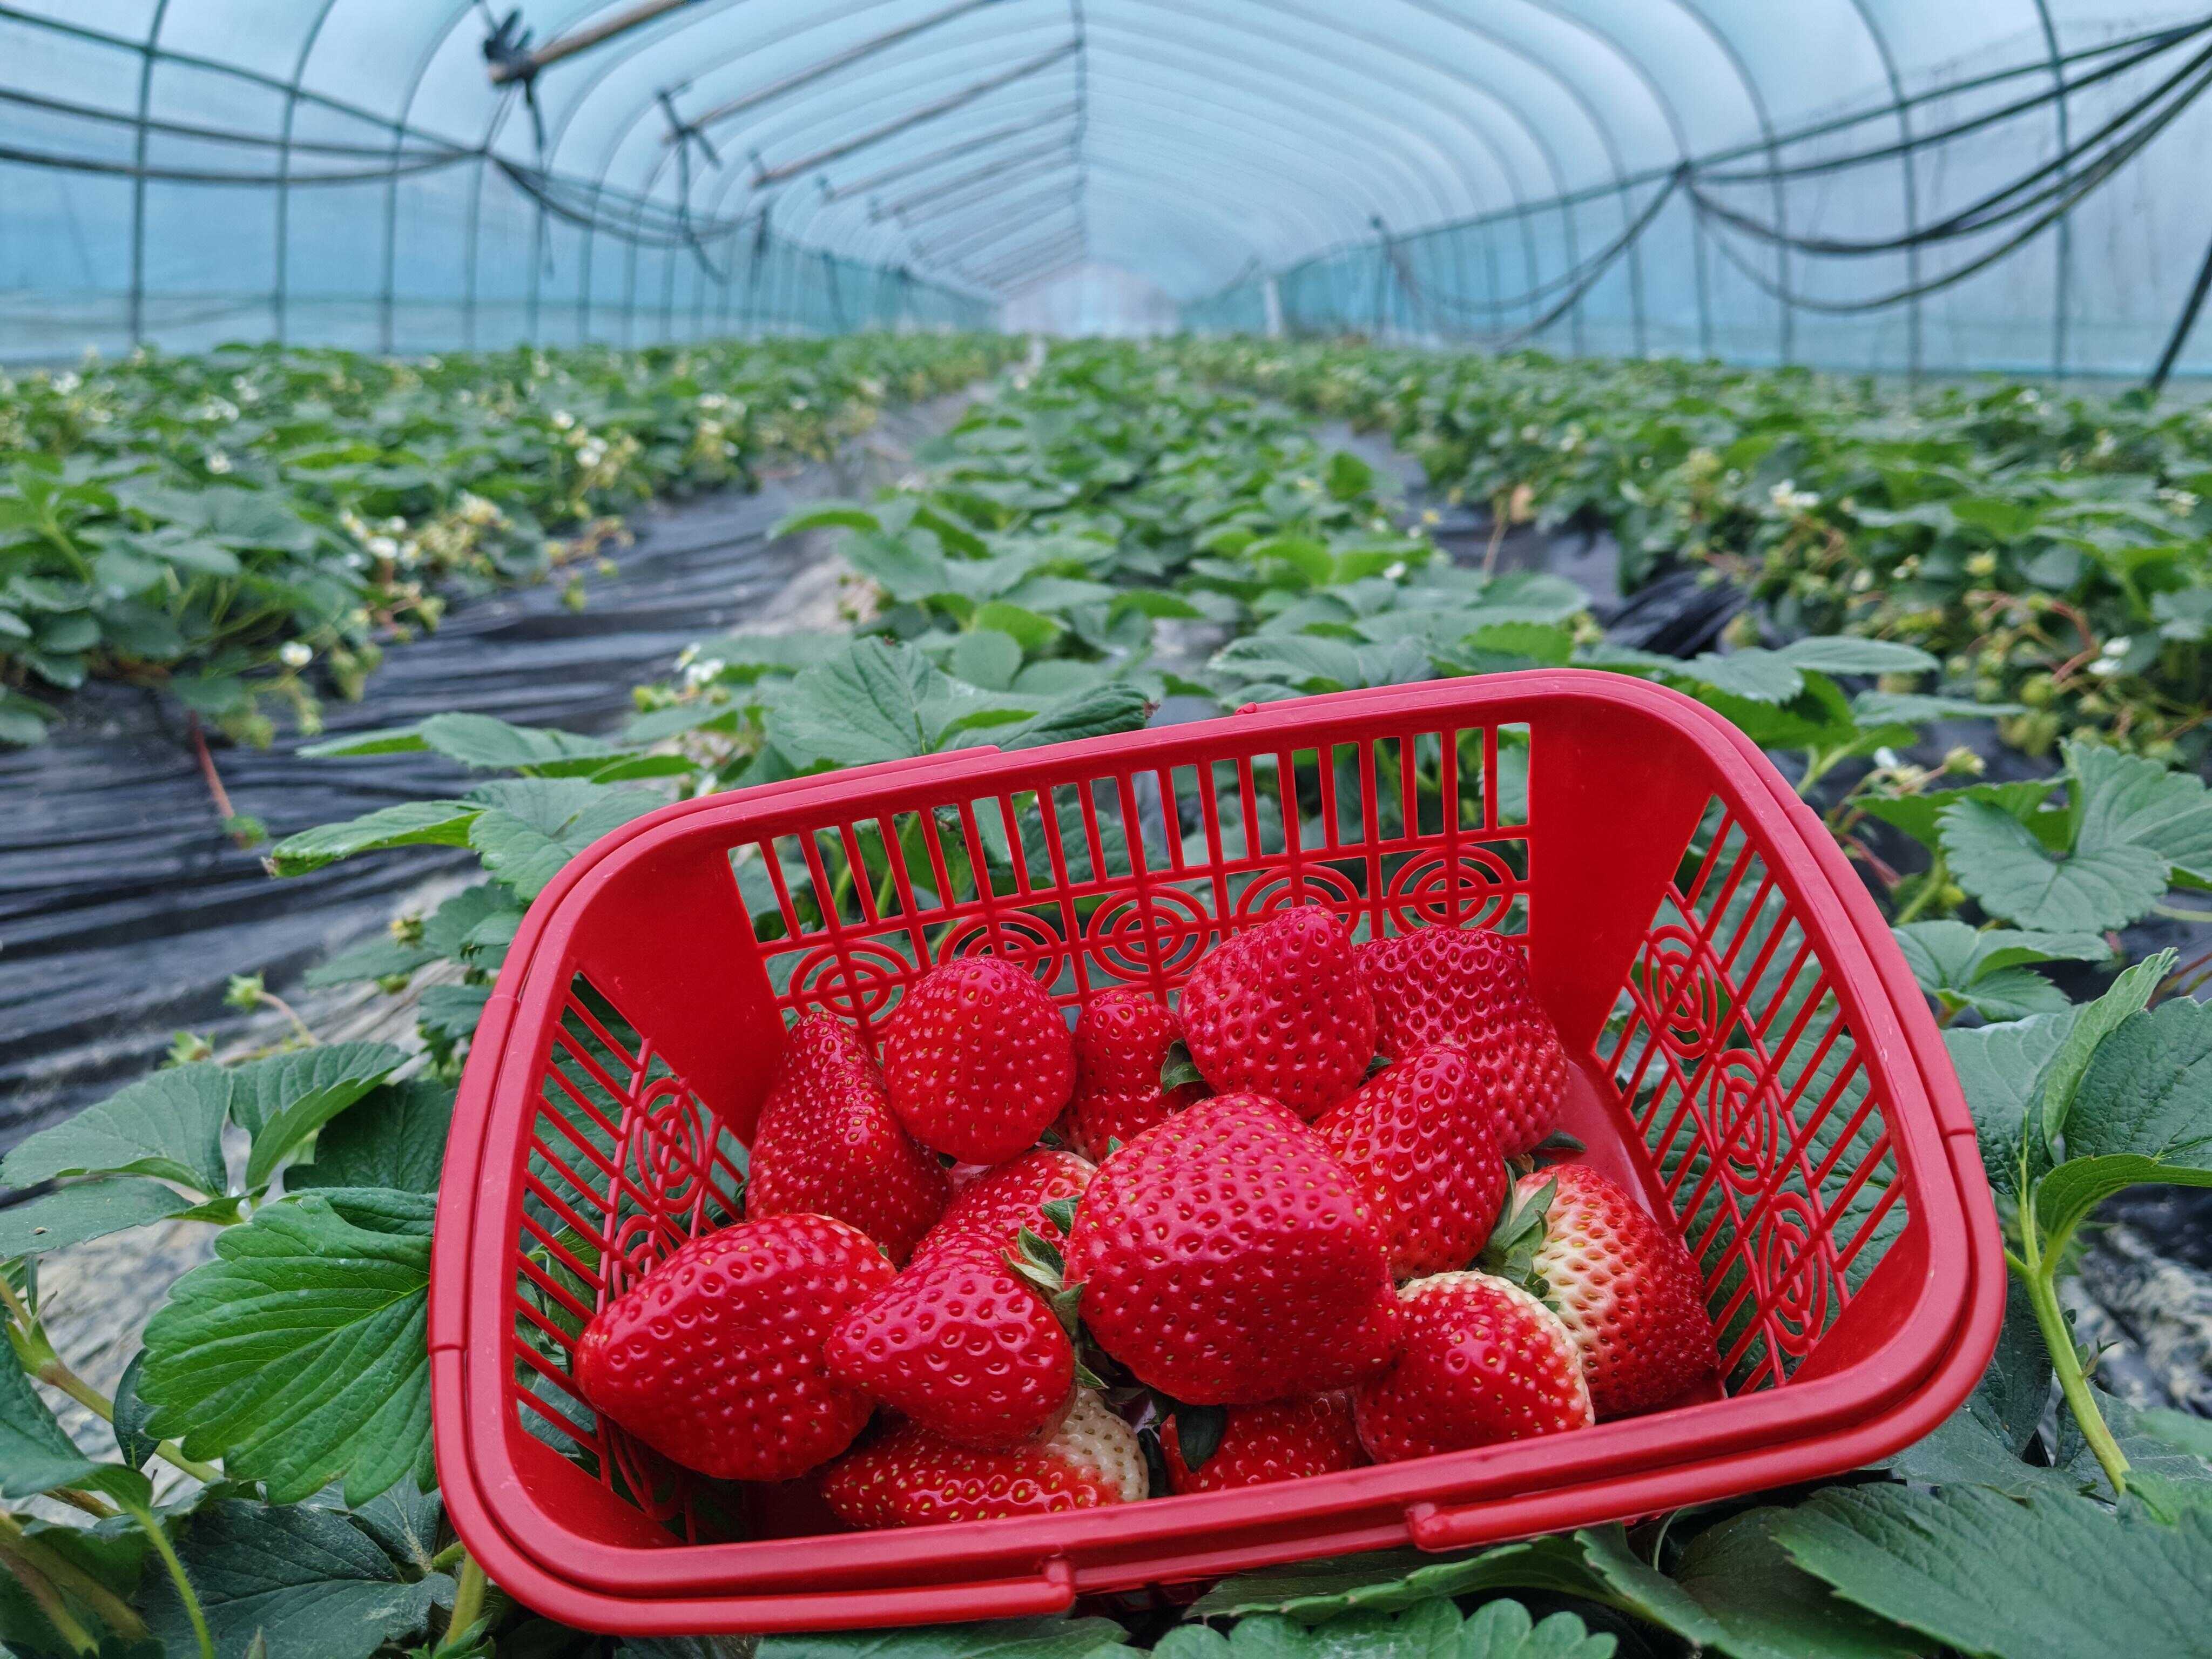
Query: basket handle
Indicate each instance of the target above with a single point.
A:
(1052, 1590)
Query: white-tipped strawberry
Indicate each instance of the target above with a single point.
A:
(914, 1477)
(1619, 1280)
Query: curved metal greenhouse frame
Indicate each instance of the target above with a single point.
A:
(1876, 184)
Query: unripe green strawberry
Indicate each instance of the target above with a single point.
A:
(714, 1357)
(911, 1476)
(978, 1060)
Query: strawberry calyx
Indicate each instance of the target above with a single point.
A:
(1038, 1263)
(1179, 1071)
(1520, 1234)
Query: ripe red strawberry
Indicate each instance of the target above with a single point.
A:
(1122, 1040)
(979, 1060)
(1469, 987)
(1000, 1205)
(1420, 1139)
(1620, 1281)
(913, 1477)
(1262, 1445)
(1226, 1258)
(828, 1144)
(1480, 1361)
(1281, 1010)
(960, 1344)
(714, 1357)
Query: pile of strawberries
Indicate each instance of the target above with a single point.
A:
(1277, 1236)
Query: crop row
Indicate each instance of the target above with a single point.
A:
(2050, 550)
(247, 527)
(1100, 538)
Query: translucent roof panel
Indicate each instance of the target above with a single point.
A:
(1886, 183)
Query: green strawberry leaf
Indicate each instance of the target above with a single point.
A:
(35, 1454)
(1963, 968)
(131, 1413)
(395, 1138)
(1988, 1575)
(1011, 1639)
(1178, 1070)
(1983, 1443)
(2141, 1114)
(1756, 1603)
(306, 1581)
(282, 1100)
(85, 1210)
(1061, 1212)
(1431, 1630)
(1999, 860)
(1199, 1430)
(529, 828)
(1091, 712)
(2126, 996)
(1847, 654)
(298, 1355)
(2136, 826)
(1919, 815)
(2001, 1069)
(168, 1124)
(410, 823)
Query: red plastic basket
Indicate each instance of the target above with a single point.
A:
(1750, 1053)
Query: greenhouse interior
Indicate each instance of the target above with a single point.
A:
(1075, 829)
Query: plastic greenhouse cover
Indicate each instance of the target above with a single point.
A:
(348, 170)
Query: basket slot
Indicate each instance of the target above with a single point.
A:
(1745, 1081)
(1127, 877)
(623, 1162)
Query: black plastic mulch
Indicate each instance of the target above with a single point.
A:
(124, 909)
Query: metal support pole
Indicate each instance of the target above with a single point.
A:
(951, 152)
(836, 61)
(994, 170)
(930, 112)
(521, 66)
(960, 200)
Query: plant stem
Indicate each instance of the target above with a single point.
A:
(307, 1032)
(1930, 884)
(49, 1601)
(444, 1559)
(159, 1537)
(468, 1601)
(50, 1368)
(2041, 1282)
(20, 1548)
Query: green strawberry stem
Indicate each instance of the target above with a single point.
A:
(2039, 1272)
(159, 1537)
(39, 1568)
(40, 1359)
(468, 1603)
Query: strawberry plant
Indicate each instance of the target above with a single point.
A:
(1107, 535)
(221, 526)
(2050, 551)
